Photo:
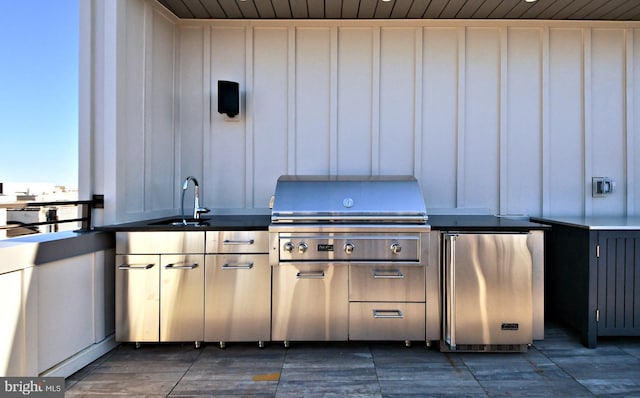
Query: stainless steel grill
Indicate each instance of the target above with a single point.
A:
(351, 199)
(328, 235)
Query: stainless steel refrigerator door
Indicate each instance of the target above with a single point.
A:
(488, 289)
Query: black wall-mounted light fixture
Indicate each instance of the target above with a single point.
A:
(228, 98)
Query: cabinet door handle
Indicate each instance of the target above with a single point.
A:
(238, 242)
(391, 274)
(388, 314)
(184, 266)
(228, 266)
(310, 275)
(127, 266)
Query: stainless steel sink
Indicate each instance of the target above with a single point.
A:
(179, 222)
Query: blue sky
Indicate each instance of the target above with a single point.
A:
(39, 91)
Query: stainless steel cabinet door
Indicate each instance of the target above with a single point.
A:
(310, 302)
(137, 298)
(182, 298)
(488, 285)
(237, 298)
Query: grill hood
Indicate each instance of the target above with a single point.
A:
(348, 199)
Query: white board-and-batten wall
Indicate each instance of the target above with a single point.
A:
(511, 116)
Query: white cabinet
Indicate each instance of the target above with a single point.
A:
(65, 308)
(57, 295)
(18, 293)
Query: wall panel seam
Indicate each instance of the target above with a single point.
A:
(503, 129)
(461, 117)
(291, 100)
(630, 121)
(206, 114)
(333, 102)
(545, 155)
(177, 130)
(375, 103)
(417, 106)
(175, 103)
(249, 153)
(587, 121)
(147, 77)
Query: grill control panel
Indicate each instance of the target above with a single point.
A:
(391, 247)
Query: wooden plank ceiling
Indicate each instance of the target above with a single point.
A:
(610, 10)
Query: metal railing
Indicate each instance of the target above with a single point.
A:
(82, 215)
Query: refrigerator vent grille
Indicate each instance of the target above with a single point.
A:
(492, 347)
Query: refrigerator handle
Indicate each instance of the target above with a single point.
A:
(451, 290)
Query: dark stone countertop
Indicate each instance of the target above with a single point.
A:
(221, 222)
(481, 223)
(262, 220)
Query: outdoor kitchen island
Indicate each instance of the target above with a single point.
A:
(258, 224)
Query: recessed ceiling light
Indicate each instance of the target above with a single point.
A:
(530, 1)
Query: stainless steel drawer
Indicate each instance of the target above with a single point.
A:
(237, 242)
(386, 283)
(386, 321)
(159, 242)
(310, 302)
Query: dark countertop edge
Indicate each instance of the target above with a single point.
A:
(261, 222)
(224, 222)
(594, 223)
(482, 223)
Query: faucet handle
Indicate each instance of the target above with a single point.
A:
(201, 210)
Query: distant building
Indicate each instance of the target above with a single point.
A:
(36, 192)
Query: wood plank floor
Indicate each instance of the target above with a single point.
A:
(558, 366)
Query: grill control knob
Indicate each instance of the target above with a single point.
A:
(348, 248)
(396, 248)
(288, 247)
(302, 247)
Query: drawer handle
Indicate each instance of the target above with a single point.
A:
(388, 314)
(392, 274)
(127, 266)
(310, 275)
(228, 266)
(185, 266)
(238, 242)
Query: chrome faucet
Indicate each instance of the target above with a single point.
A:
(197, 210)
